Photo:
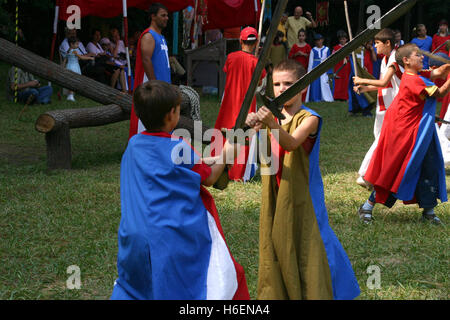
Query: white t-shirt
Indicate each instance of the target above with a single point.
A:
(64, 47)
(387, 95)
(121, 49)
(96, 49)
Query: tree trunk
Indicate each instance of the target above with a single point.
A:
(79, 118)
(59, 148)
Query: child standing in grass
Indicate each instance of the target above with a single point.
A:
(71, 61)
(320, 89)
(171, 243)
(300, 257)
(387, 87)
(407, 163)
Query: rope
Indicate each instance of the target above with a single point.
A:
(194, 101)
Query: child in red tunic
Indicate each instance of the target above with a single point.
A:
(300, 51)
(239, 68)
(341, 83)
(407, 163)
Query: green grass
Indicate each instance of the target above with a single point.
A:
(53, 219)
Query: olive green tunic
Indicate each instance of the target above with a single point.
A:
(292, 258)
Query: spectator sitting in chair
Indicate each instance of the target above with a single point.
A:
(29, 89)
(88, 69)
(117, 70)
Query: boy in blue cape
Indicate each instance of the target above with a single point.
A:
(171, 243)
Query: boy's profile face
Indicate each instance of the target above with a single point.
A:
(173, 117)
(414, 61)
(383, 48)
(282, 80)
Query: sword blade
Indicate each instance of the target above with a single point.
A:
(434, 56)
(245, 107)
(391, 16)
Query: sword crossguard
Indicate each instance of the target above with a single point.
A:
(268, 102)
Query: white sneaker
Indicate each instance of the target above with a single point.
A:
(363, 183)
(70, 97)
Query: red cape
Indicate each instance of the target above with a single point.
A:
(341, 84)
(239, 68)
(408, 129)
(138, 79)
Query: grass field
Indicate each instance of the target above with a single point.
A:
(52, 220)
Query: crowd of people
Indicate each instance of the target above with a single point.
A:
(300, 257)
(291, 42)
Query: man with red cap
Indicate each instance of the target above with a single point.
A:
(239, 68)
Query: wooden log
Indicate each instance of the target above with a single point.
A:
(56, 125)
(98, 116)
(80, 118)
(59, 149)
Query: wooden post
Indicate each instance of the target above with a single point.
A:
(59, 148)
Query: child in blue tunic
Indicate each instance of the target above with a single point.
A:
(423, 41)
(320, 89)
(71, 61)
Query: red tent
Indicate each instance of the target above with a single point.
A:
(113, 8)
(218, 14)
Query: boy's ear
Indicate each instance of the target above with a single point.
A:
(405, 60)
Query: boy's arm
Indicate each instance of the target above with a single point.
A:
(287, 141)
(440, 72)
(440, 92)
(362, 89)
(377, 83)
(147, 48)
(217, 164)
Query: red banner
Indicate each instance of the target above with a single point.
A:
(113, 8)
(223, 14)
(322, 13)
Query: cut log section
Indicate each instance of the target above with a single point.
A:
(56, 125)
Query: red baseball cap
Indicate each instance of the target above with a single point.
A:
(249, 33)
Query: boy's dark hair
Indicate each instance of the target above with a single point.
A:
(154, 8)
(153, 100)
(386, 34)
(405, 51)
(301, 30)
(71, 40)
(291, 65)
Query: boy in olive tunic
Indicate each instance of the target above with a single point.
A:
(300, 256)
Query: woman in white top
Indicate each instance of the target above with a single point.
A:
(94, 46)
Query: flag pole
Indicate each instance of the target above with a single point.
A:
(125, 40)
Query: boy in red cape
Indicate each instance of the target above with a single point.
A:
(407, 163)
(239, 68)
(171, 243)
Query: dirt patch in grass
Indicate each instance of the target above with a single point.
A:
(18, 155)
